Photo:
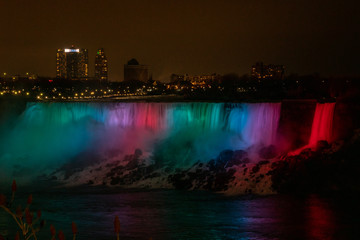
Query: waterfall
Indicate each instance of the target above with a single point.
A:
(48, 135)
(322, 124)
(257, 122)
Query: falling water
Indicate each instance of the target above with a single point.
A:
(322, 124)
(47, 135)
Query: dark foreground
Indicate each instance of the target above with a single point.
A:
(192, 215)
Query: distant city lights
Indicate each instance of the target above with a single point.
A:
(67, 50)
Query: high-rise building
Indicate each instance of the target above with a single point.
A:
(134, 71)
(101, 65)
(261, 71)
(72, 63)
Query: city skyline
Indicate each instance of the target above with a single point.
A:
(196, 38)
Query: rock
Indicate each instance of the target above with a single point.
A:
(268, 152)
(239, 154)
(180, 181)
(116, 170)
(132, 164)
(233, 162)
(211, 165)
(154, 175)
(196, 164)
(306, 153)
(263, 162)
(222, 180)
(275, 164)
(223, 158)
(138, 153)
(115, 181)
(321, 145)
(237, 158)
(209, 182)
(255, 169)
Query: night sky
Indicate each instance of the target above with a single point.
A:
(194, 37)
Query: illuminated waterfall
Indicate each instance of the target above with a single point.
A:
(257, 123)
(322, 124)
(47, 135)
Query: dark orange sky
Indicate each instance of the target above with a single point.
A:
(173, 36)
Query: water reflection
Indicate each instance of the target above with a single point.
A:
(194, 215)
(321, 222)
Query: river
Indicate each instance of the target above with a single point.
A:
(171, 214)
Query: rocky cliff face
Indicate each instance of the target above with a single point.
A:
(329, 167)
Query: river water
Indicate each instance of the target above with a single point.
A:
(170, 214)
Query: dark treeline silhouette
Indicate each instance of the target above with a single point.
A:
(232, 87)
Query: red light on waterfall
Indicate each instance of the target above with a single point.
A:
(322, 123)
(50, 80)
(149, 116)
(321, 127)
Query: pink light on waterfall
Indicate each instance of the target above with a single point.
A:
(150, 115)
(322, 124)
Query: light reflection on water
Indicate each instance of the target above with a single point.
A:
(193, 215)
